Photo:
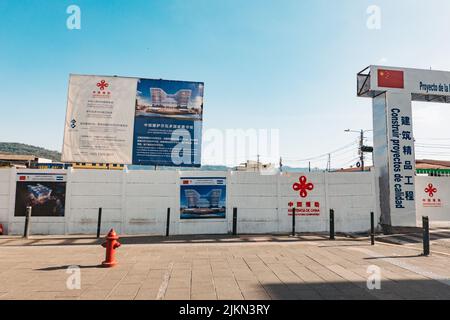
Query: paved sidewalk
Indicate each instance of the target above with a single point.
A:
(266, 267)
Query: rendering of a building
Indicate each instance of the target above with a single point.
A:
(196, 200)
(180, 99)
(40, 192)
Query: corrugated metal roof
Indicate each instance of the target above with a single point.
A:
(16, 157)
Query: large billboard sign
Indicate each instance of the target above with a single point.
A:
(203, 198)
(45, 193)
(168, 123)
(99, 119)
(392, 90)
(133, 121)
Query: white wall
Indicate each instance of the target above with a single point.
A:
(136, 202)
(439, 214)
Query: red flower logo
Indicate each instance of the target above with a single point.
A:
(303, 187)
(102, 85)
(431, 190)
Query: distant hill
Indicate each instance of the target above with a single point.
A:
(26, 149)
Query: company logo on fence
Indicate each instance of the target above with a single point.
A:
(303, 208)
(431, 191)
(303, 187)
(102, 85)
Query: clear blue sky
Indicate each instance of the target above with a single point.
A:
(285, 64)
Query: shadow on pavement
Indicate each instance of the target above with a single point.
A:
(36, 241)
(390, 290)
(56, 268)
(393, 257)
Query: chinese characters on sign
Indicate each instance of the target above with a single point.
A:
(402, 157)
(133, 121)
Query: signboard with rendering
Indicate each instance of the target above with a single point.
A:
(122, 120)
(44, 192)
(203, 198)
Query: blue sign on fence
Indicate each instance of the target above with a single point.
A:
(168, 123)
(202, 198)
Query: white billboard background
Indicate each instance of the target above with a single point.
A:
(99, 119)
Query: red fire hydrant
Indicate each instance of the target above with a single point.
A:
(111, 245)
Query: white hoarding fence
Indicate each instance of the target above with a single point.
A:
(136, 202)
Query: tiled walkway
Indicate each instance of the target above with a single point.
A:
(219, 268)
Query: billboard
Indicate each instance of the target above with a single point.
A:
(203, 198)
(44, 192)
(168, 123)
(99, 119)
(133, 121)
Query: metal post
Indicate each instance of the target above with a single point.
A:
(332, 224)
(168, 222)
(426, 236)
(234, 221)
(99, 222)
(293, 222)
(372, 229)
(26, 231)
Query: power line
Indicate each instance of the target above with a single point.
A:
(325, 155)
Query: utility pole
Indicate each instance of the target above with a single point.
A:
(257, 163)
(329, 163)
(362, 147)
(361, 151)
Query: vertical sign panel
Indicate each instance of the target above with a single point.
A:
(401, 159)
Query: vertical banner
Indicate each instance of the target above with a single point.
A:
(203, 198)
(99, 119)
(168, 123)
(401, 158)
(44, 192)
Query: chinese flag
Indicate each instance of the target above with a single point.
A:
(391, 79)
